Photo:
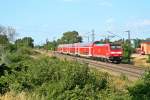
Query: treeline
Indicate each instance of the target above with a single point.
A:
(7, 39)
(7, 35)
(67, 38)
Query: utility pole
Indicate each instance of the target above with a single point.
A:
(120, 37)
(129, 46)
(46, 45)
(93, 35)
(54, 38)
(88, 37)
(129, 38)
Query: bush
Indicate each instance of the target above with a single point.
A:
(53, 78)
(24, 50)
(4, 83)
(62, 79)
(141, 90)
(76, 74)
(148, 60)
(127, 51)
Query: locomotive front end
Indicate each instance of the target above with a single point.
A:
(116, 52)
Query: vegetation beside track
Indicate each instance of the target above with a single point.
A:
(28, 74)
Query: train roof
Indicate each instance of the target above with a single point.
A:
(146, 41)
(81, 44)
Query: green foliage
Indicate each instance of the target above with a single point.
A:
(6, 33)
(70, 37)
(12, 69)
(3, 40)
(67, 38)
(148, 60)
(4, 69)
(86, 93)
(127, 51)
(24, 50)
(137, 43)
(76, 76)
(52, 78)
(25, 42)
(11, 47)
(141, 90)
(4, 84)
(64, 80)
(50, 45)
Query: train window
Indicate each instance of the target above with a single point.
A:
(98, 43)
(116, 47)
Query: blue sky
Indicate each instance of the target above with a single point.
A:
(43, 19)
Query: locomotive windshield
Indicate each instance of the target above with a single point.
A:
(98, 43)
(115, 46)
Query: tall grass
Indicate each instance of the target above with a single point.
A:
(21, 96)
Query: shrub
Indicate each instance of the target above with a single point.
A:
(141, 90)
(127, 51)
(148, 60)
(76, 74)
(25, 50)
(4, 83)
(53, 78)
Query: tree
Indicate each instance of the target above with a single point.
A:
(147, 39)
(70, 37)
(28, 42)
(3, 40)
(137, 43)
(25, 42)
(10, 32)
(6, 37)
(127, 51)
(50, 45)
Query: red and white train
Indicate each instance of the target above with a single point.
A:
(107, 52)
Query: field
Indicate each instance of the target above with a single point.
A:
(140, 60)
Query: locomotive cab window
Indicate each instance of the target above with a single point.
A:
(115, 46)
(98, 43)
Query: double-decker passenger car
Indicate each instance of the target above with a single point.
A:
(105, 51)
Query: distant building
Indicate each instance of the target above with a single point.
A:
(145, 47)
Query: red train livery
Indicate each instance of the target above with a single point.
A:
(108, 52)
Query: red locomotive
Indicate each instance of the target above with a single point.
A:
(107, 52)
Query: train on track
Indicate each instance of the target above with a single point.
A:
(109, 52)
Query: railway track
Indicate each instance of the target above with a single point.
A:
(132, 72)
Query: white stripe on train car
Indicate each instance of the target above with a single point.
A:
(116, 52)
